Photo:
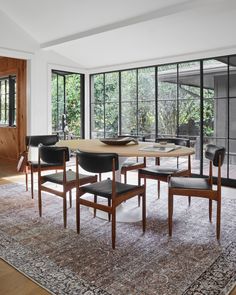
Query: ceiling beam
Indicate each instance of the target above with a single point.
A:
(159, 13)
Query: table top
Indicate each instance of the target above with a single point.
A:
(128, 150)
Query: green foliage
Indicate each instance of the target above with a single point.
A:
(138, 103)
(69, 105)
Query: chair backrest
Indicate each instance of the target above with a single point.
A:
(35, 140)
(214, 153)
(54, 155)
(175, 140)
(97, 162)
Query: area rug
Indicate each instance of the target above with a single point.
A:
(191, 262)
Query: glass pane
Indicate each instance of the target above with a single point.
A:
(220, 118)
(97, 88)
(129, 118)
(189, 117)
(73, 115)
(112, 87)
(232, 159)
(146, 118)
(111, 119)
(189, 80)
(215, 78)
(232, 76)
(232, 118)
(167, 82)
(146, 84)
(209, 117)
(97, 120)
(128, 86)
(167, 118)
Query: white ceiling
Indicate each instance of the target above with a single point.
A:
(106, 33)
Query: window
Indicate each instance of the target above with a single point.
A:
(67, 104)
(193, 99)
(8, 101)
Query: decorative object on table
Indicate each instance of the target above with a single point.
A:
(119, 140)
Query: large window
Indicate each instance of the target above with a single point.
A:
(195, 99)
(8, 101)
(67, 104)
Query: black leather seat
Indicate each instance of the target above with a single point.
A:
(55, 156)
(32, 165)
(114, 192)
(162, 173)
(200, 187)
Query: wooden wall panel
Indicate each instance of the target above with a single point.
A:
(12, 139)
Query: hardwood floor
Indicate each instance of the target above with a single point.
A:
(13, 282)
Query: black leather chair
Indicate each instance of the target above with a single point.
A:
(32, 165)
(161, 173)
(200, 187)
(56, 157)
(114, 192)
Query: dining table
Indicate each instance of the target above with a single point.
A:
(127, 212)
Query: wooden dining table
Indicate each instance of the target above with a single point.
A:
(129, 150)
(125, 212)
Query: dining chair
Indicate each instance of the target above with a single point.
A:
(64, 181)
(131, 164)
(32, 143)
(200, 187)
(114, 192)
(162, 173)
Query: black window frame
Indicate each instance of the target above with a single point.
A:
(9, 97)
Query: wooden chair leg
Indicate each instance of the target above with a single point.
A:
(26, 179)
(95, 201)
(64, 211)
(70, 198)
(77, 213)
(170, 212)
(144, 211)
(32, 183)
(125, 177)
(139, 183)
(40, 201)
(113, 228)
(218, 216)
(210, 210)
(109, 214)
(158, 189)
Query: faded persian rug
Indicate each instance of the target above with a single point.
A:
(191, 262)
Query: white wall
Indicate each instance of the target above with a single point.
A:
(39, 115)
(14, 42)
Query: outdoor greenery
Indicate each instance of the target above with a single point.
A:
(178, 104)
(66, 100)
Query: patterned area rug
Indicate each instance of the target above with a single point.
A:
(191, 262)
